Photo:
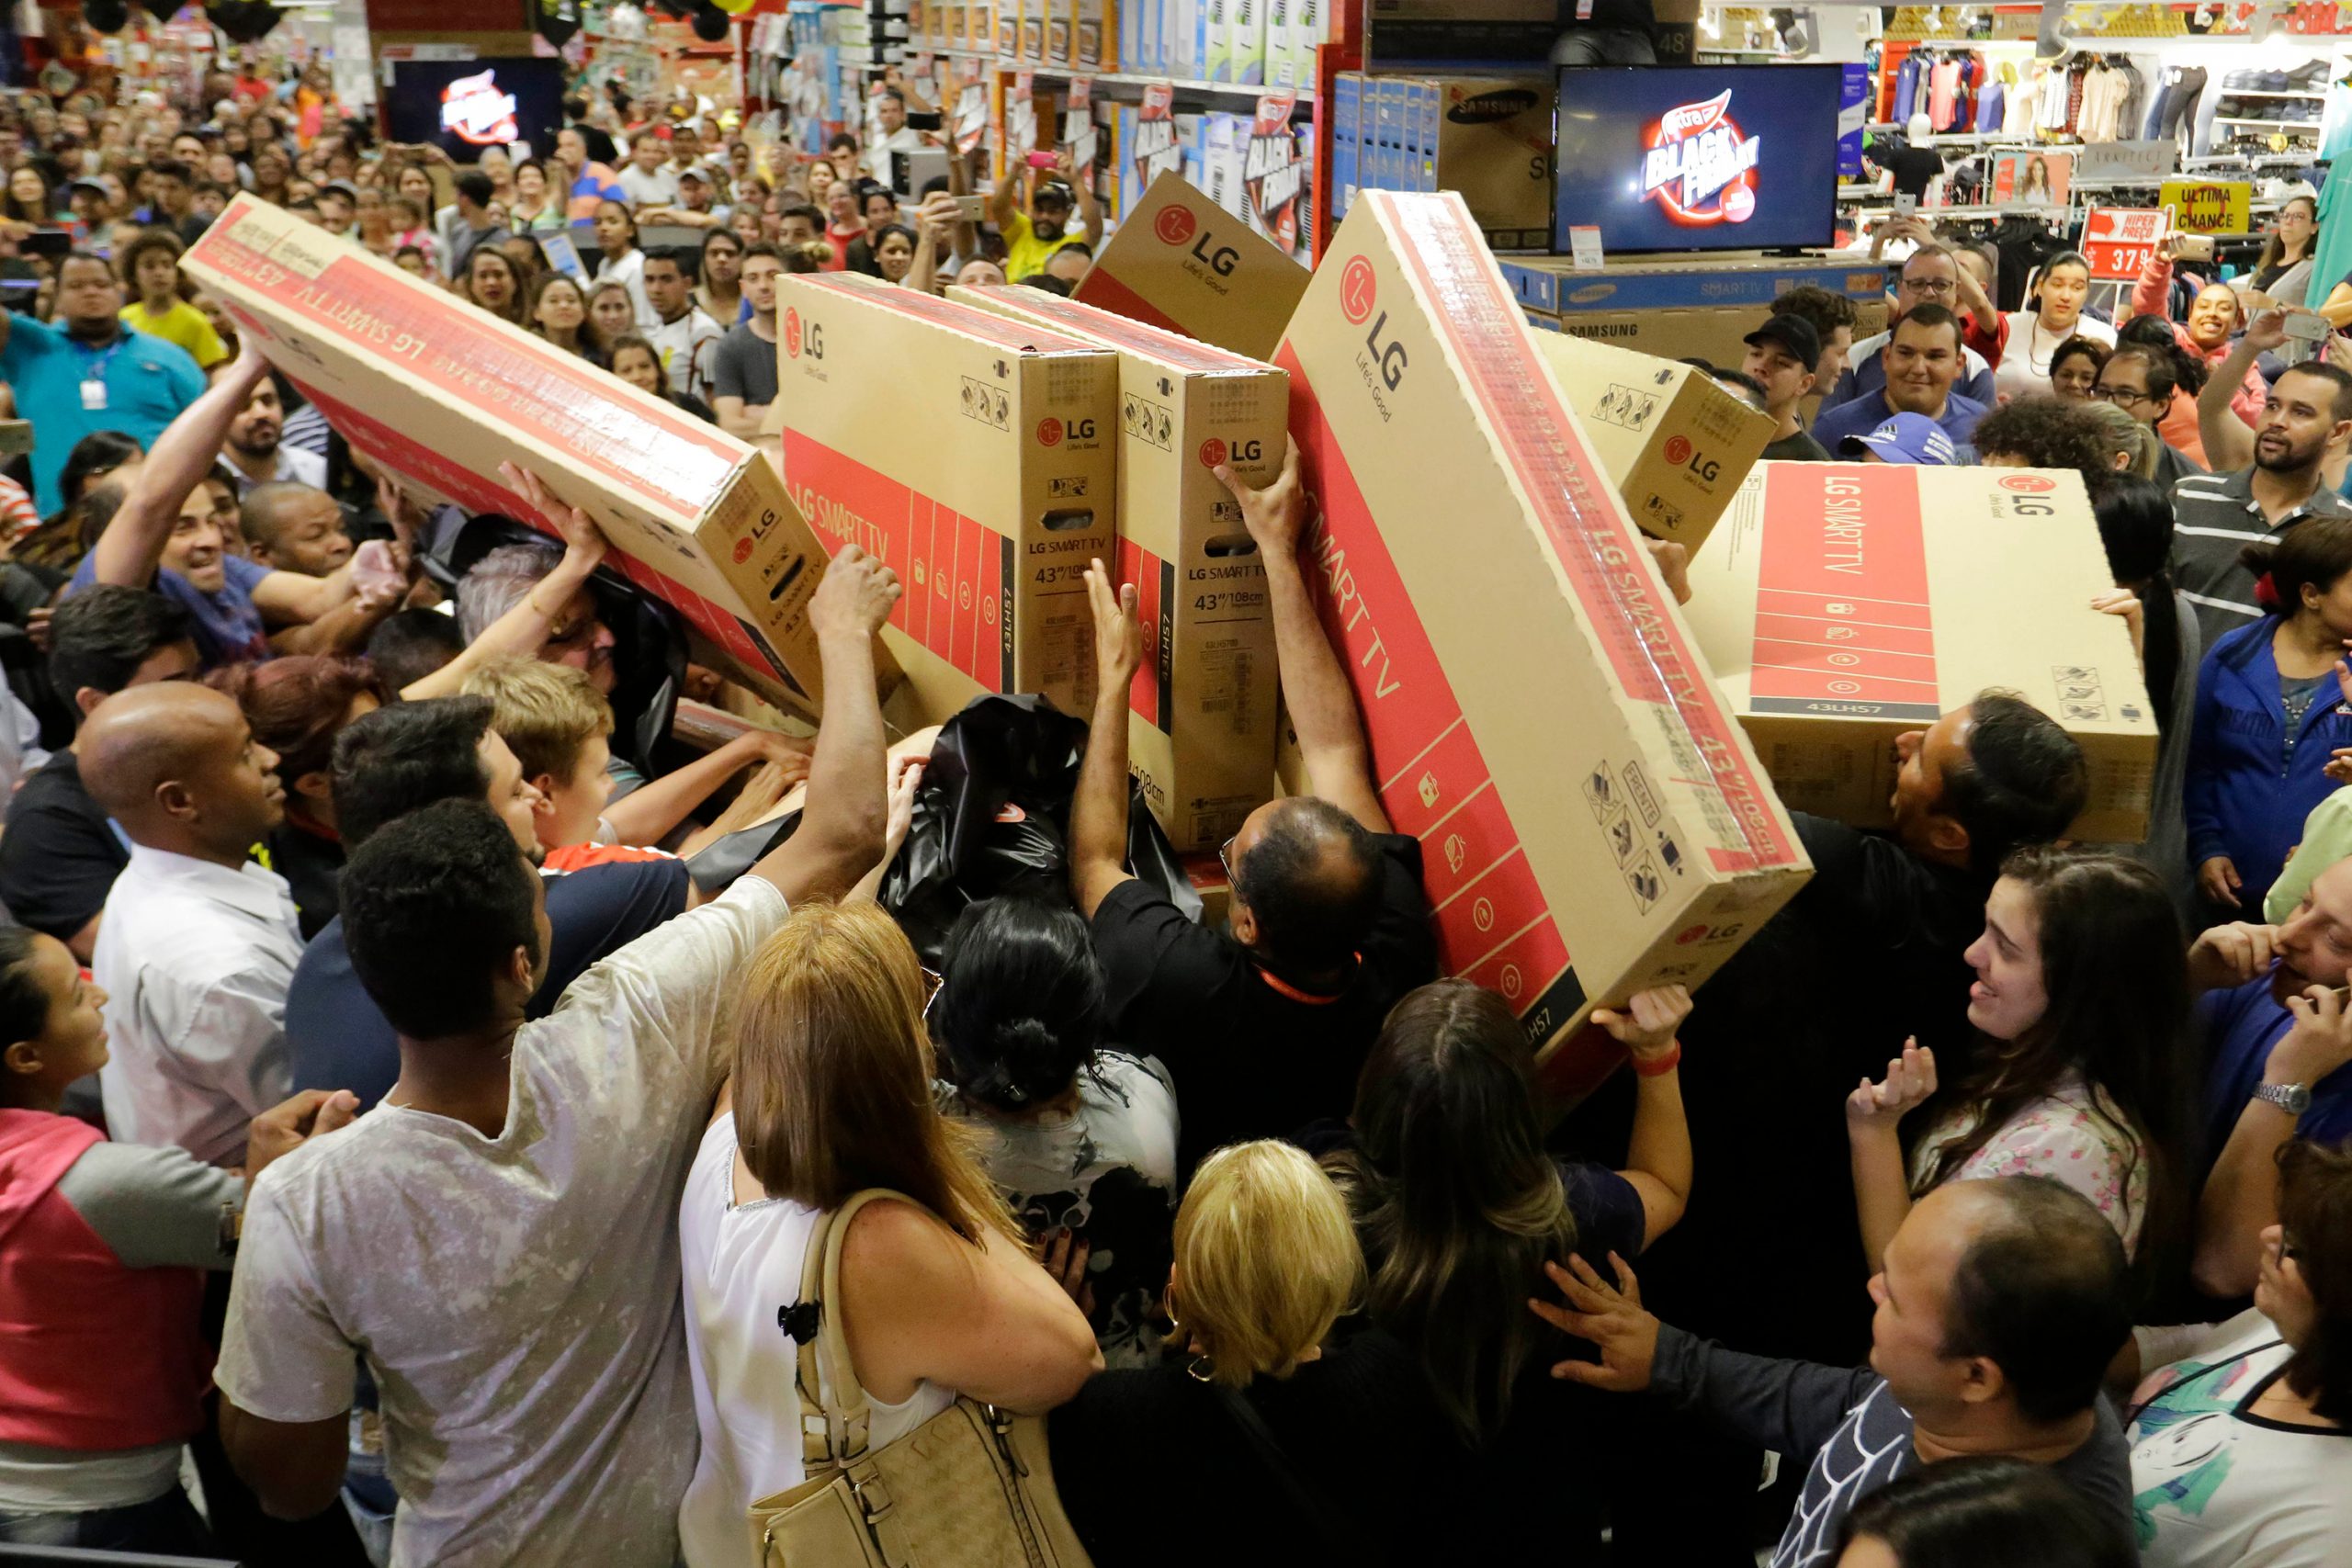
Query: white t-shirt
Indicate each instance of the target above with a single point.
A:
(742, 1262)
(2215, 1486)
(629, 273)
(2024, 369)
(1106, 1172)
(516, 1298)
(689, 349)
(659, 189)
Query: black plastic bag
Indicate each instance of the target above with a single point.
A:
(991, 814)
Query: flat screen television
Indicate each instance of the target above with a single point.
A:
(1697, 158)
(466, 105)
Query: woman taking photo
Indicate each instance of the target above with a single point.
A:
(2052, 317)
(489, 282)
(2269, 717)
(2237, 1432)
(2074, 365)
(938, 1296)
(1079, 1138)
(2083, 1073)
(622, 262)
(559, 314)
(720, 290)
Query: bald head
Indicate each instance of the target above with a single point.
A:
(294, 527)
(1310, 877)
(176, 764)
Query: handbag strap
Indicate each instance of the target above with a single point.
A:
(835, 1416)
(1339, 1533)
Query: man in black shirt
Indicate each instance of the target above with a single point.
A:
(60, 855)
(1768, 1256)
(1783, 357)
(1265, 1025)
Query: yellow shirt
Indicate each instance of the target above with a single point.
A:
(1025, 255)
(182, 324)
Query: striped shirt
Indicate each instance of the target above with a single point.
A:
(2215, 516)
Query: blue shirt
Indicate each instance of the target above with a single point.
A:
(148, 382)
(1867, 413)
(228, 627)
(338, 1038)
(2241, 1028)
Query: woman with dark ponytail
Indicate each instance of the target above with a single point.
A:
(2270, 716)
(1080, 1138)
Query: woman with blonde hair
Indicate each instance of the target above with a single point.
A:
(831, 1096)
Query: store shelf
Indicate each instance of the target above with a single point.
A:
(1115, 78)
(2309, 125)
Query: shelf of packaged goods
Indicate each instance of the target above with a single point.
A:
(1240, 92)
(2312, 125)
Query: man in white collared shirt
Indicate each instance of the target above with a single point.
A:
(197, 946)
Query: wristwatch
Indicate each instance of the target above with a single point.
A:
(2294, 1098)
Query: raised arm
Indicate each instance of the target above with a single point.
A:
(2153, 289)
(1315, 688)
(132, 544)
(1001, 206)
(1098, 808)
(1873, 1113)
(845, 826)
(646, 813)
(2229, 445)
(1090, 211)
(2241, 1196)
(1657, 1154)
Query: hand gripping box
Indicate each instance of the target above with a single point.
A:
(978, 456)
(441, 393)
(1200, 726)
(1841, 605)
(1675, 443)
(1184, 263)
(1592, 820)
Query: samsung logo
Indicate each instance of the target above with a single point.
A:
(1488, 108)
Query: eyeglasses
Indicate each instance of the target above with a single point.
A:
(934, 982)
(2120, 395)
(1930, 285)
(1225, 860)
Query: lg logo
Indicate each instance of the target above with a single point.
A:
(1680, 453)
(797, 337)
(1176, 226)
(2028, 484)
(1050, 432)
(1359, 291)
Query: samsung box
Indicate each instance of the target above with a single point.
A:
(442, 393)
(977, 457)
(1201, 723)
(1696, 307)
(1592, 818)
(1676, 445)
(1842, 605)
(1184, 263)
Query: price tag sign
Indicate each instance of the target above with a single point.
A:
(2119, 239)
(1584, 247)
(2208, 207)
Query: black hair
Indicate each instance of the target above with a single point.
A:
(96, 456)
(433, 906)
(1754, 391)
(764, 248)
(2048, 433)
(1048, 282)
(842, 140)
(81, 255)
(1021, 1009)
(900, 229)
(889, 92)
(2161, 370)
(868, 189)
(2316, 1223)
(412, 644)
(403, 757)
(100, 637)
(476, 187)
(932, 185)
(2155, 332)
(1073, 247)
(2041, 1291)
(1455, 1200)
(162, 239)
(2088, 348)
(1825, 311)
(169, 169)
(807, 211)
(24, 1006)
(2335, 376)
(2135, 522)
(1312, 882)
(1933, 315)
(1988, 1508)
(2025, 781)
(682, 260)
(2315, 553)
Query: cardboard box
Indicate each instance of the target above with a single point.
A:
(1097, 25)
(1305, 36)
(1032, 32)
(1593, 820)
(441, 393)
(1248, 49)
(1060, 34)
(1676, 445)
(1216, 39)
(1184, 263)
(1843, 604)
(977, 457)
(1493, 141)
(1200, 726)
(1550, 286)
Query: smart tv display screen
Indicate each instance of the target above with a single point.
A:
(1697, 158)
(463, 107)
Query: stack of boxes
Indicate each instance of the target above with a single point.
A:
(1489, 138)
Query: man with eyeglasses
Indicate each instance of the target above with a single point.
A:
(1266, 1023)
(1932, 276)
(2278, 1034)
(2140, 382)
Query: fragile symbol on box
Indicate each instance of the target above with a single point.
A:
(1620, 837)
(987, 404)
(1147, 421)
(2079, 693)
(1069, 488)
(1599, 794)
(1624, 406)
(1645, 884)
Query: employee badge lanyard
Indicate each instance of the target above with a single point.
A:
(93, 378)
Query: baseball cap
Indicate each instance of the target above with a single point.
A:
(1055, 193)
(695, 172)
(1905, 438)
(1794, 334)
(343, 188)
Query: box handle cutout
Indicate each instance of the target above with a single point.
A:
(1069, 519)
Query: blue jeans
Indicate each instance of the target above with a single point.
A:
(167, 1525)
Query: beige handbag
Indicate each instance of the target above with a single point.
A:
(972, 1487)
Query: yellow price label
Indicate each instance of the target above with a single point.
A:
(2208, 207)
